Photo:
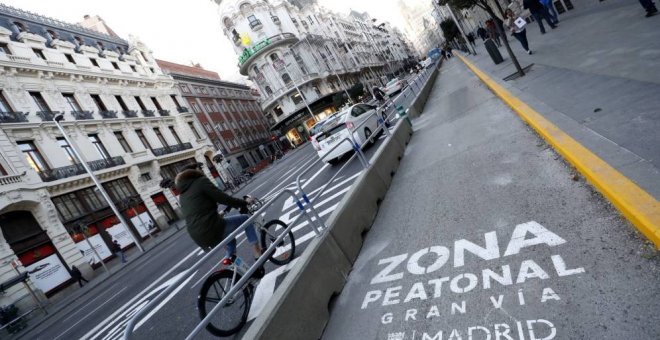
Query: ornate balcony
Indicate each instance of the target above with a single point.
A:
(11, 179)
(13, 117)
(77, 169)
(244, 60)
(82, 115)
(182, 109)
(47, 116)
(148, 113)
(108, 114)
(130, 113)
(164, 113)
(171, 149)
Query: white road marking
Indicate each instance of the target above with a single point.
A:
(111, 318)
(88, 314)
(289, 202)
(286, 219)
(169, 297)
(266, 288)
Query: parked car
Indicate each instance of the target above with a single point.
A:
(360, 119)
(394, 86)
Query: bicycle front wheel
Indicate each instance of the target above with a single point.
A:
(232, 317)
(285, 250)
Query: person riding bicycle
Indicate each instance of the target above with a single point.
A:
(379, 95)
(199, 198)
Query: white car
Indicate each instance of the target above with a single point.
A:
(394, 86)
(359, 119)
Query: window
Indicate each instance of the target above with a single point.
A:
(3, 172)
(286, 78)
(192, 127)
(176, 135)
(274, 57)
(114, 64)
(121, 102)
(4, 104)
(39, 53)
(296, 98)
(176, 102)
(70, 58)
(94, 138)
(133, 68)
(144, 56)
(316, 89)
(145, 176)
(99, 103)
(71, 101)
(93, 198)
(153, 99)
(68, 206)
(93, 61)
(152, 70)
(71, 155)
(143, 139)
(278, 111)
(20, 26)
(123, 142)
(185, 89)
(140, 103)
(195, 107)
(269, 91)
(39, 100)
(160, 137)
(254, 22)
(4, 48)
(33, 156)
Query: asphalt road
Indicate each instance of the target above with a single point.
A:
(104, 312)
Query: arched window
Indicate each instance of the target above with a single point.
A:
(245, 8)
(20, 26)
(227, 23)
(274, 57)
(286, 78)
(269, 91)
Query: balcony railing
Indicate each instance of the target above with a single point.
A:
(11, 179)
(129, 113)
(108, 114)
(182, 109)
(148, 113)
(82, 115)
(77, 169)
(164, 113)
(47, 116)
(171, 149)
(13, 117)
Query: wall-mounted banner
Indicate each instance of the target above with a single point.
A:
(120, 233)
(48, 273)
(100, 247)
(143, 223)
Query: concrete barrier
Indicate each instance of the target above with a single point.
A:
(417, 106)
(299, 307)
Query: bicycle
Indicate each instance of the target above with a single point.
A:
(221, 281)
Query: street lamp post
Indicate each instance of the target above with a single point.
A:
(81, 229)
(105, 195)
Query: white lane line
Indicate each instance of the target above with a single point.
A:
(286, 219)
(138, 296)
(328, 190)
(169, 297)
(302, 167)
(88, 314)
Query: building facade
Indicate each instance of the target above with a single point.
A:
(422, 27)
(301, 56)
(125, 117)
(231, 117)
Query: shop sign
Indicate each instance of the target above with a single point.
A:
(99, 246)
(143, 223)
(120, 233)
(48, 273)
(250, 51)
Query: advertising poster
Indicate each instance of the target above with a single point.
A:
(120, 233)
(48, 273)
(98, 244)
(143, 223)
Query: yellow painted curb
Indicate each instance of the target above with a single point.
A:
(640, 208)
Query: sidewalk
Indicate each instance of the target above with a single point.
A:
(485, 234)
(597, 77)
(72, 294)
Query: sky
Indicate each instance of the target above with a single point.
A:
(181, 31)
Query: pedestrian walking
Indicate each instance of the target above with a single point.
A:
(538, 12)
(517, 28)
(649, 6)
(482, 33)
(551, 11)
(470, 38)
(492, 32)
(379, 95)
(116, 248)
(77, 275)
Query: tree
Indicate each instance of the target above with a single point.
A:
(449, 29)
(486, 6)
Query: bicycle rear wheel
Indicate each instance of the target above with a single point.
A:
(232, 317)
(285, 250)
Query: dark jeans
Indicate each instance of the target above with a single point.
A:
(648, 5)
(522, 37)
(542, 14)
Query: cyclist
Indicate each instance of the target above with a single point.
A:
(199, 199)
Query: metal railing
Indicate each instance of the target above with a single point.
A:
(128, 332)
(128, 114)
(13, 117)
(47, 116)
(82, 115)
(78, 169)
(148, 113)
(108, 114)
(12, 179)
(164, 113)
(171, 149)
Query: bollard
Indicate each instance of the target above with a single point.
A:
(403, 114)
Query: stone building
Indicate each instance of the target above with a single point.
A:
(120, 111)
(301, 56)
